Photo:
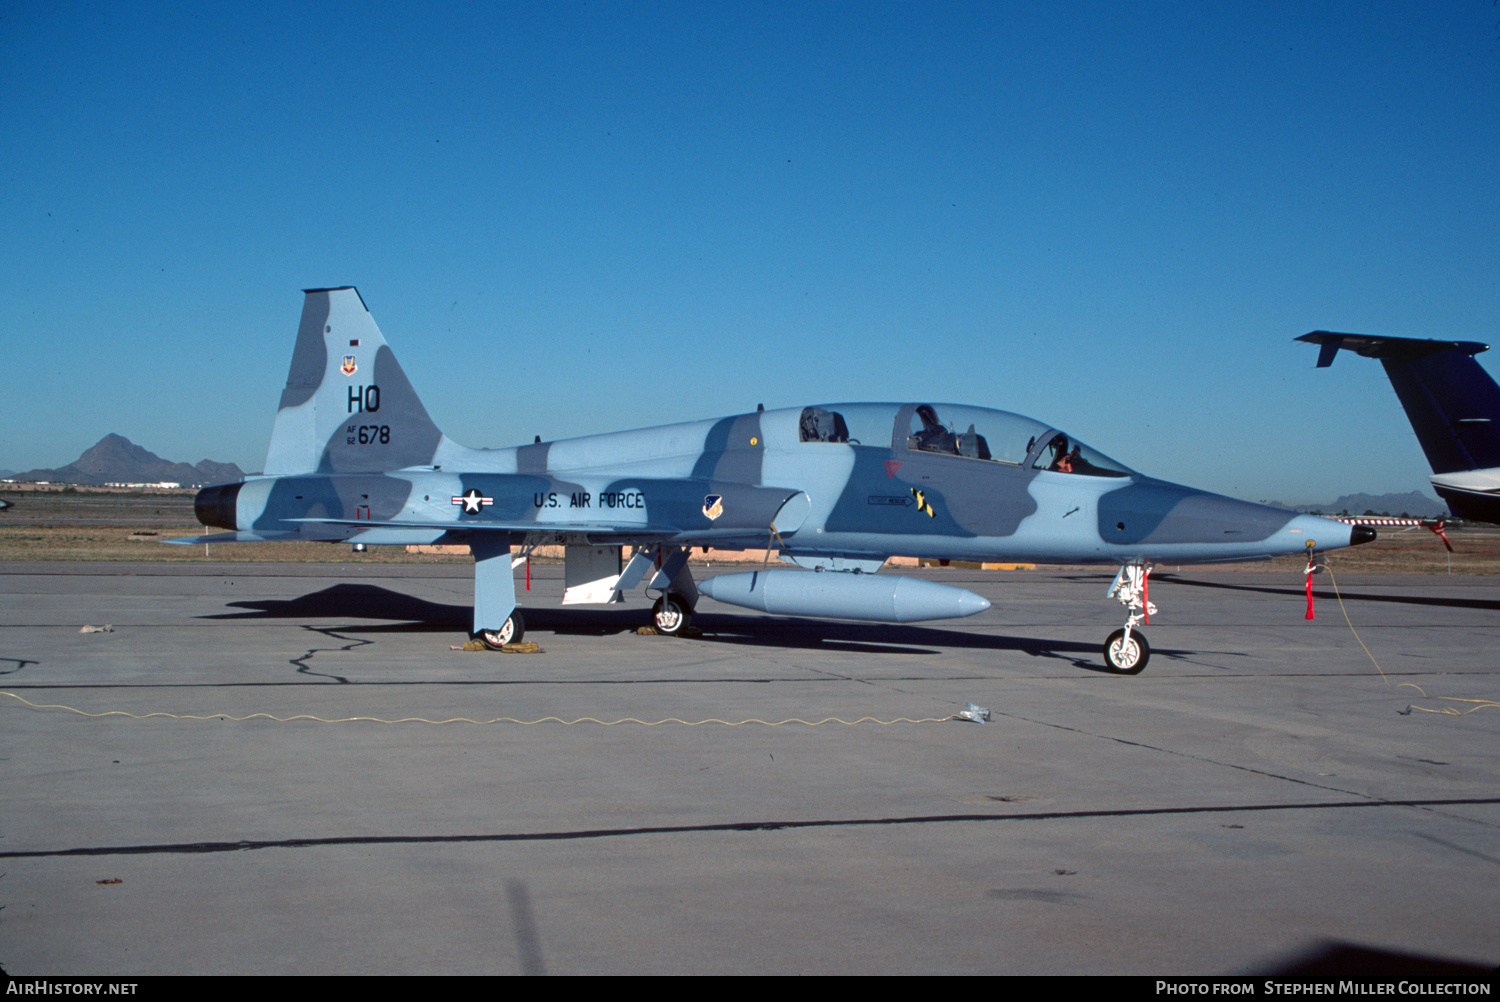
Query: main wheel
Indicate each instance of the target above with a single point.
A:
(1126, 658)
(510, 632)
(671, 615)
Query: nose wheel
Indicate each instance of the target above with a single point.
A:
(1126, 652)
(510, 632)
(671, 615)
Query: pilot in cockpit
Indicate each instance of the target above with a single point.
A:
(1062, 459)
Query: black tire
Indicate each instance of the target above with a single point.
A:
(1129, 661)
(671, 615)
(510, 632)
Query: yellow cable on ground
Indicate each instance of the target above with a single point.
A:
(470, 720)
(1481, 704)
(1340, 597)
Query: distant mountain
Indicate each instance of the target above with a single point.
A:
(115, 459)
(1413, 503)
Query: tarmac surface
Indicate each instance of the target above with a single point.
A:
(1259, 794)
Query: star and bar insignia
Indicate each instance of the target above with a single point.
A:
(473, 501)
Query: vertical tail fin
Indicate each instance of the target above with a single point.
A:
(347, 406)
(1452, 403)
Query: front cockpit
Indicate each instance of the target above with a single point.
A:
(975, 433)
(1058, 453)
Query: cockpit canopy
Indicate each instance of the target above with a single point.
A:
(955, 430)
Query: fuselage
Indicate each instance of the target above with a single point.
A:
(838, 482)
(1472, 494)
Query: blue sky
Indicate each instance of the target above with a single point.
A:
(577, 217)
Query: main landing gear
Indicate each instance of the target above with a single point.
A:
(671, 615)
(673, 612)
(510, 632)
(1126, 651)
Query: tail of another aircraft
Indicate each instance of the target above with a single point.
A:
(1453, 404)
(347, 406)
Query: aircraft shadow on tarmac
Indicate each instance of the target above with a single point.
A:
(1338, 959)
(407, 614)
(361, 601)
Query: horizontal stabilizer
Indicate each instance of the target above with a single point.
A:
(243, 536)
(1381, 346)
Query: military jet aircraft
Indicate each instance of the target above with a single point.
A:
(1453, 406)
(835, 488)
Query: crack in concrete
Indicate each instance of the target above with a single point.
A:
(301, 663)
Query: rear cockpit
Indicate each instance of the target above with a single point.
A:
(975, 433)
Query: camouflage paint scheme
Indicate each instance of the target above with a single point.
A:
(355, 457)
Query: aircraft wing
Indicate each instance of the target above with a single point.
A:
(634, 529)
(622, 531)
(420, 506)
(602, 532)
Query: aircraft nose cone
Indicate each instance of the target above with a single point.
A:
(1361, 534)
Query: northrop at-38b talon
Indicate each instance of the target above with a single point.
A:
(835, 488)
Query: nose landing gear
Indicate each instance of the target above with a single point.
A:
(1126, 651)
